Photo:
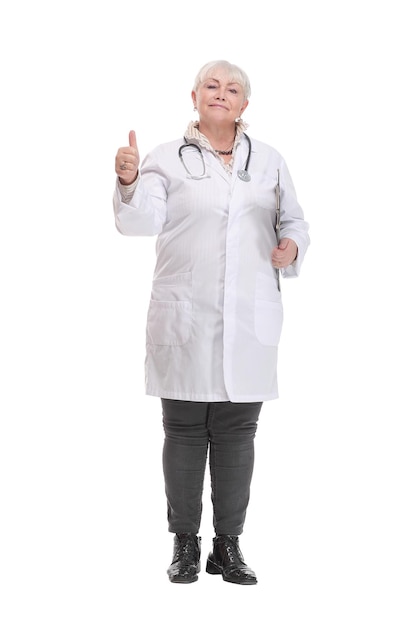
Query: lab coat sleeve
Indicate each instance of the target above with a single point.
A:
(145, 214)
(293, 224)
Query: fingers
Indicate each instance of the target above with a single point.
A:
(132, 140)
(277, 257)
(127, 160)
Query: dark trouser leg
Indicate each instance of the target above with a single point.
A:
(184, 462)
(232, 428)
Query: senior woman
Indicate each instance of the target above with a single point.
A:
(215, 311)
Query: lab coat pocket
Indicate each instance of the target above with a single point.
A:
(173, 287)
(170, 310)
(169, 323)
(268, 310)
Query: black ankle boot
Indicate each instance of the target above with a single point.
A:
(186, 559)
(227, 559)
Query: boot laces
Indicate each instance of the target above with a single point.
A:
(186, 550)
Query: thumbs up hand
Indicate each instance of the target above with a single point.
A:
(127, 161)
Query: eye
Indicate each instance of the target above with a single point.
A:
(233, 90)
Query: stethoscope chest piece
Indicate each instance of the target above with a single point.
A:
(244, 175)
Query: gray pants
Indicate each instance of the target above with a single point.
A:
(225, 429)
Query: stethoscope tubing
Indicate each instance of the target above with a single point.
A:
(243, 174)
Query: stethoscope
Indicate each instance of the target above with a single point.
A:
(242, 174)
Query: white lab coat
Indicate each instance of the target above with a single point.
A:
(215, 312)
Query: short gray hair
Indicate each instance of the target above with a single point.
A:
(236, 75)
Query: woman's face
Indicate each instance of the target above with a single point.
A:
(219, 99)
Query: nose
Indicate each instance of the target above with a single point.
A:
(220, 95)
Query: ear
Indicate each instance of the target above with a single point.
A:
(244, 105)
(194, 98)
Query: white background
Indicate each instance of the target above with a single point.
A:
(331, 526)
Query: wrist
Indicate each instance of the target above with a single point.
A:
(125, 182)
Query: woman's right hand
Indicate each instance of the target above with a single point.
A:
(127, 161)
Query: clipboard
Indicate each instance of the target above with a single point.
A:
(278, 208)
(278, 218)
